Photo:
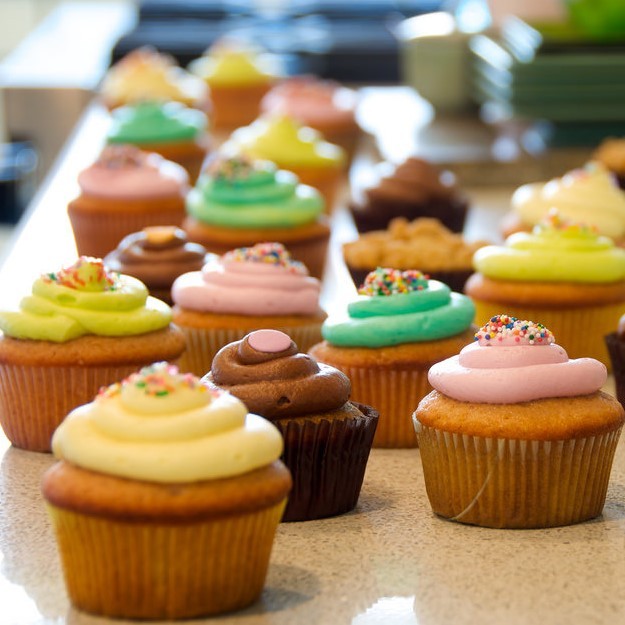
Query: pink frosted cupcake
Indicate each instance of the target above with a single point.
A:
(124, 191)
(246, 289)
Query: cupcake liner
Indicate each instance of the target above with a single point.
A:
(158, 571)
(237, 105)
(327, 459)
(35, 399)
(505, 483)
(204, 343)
(580, 331)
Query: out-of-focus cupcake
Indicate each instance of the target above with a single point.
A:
(425, 243)
(157, 255)
(325, 105)
(327, 438)
(146, 75)
(394, 332)
(178, 481)
(246, 289)
(564, 274)
(125, 190)
(171, 129)
(515, 434)
(239, 75)
(238, 202)
(588, 195)
(83, 327)
(291, 146)
(412, 189)
(611, 154)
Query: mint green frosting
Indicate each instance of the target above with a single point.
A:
(154, 122)
(240, 194)
(416, 316)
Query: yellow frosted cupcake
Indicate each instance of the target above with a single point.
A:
(291, 146)
(165, 499)
(564, 274)
(516, 434)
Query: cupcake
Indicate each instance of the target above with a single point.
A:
(238, 202)
(83, 327)
(327, 438)
(165, 499)
(611, 154)
(157, 255)
(587, 195)
(123, 191)
(562, 273)
(246, 289)
(171, 129)
(400, 325)
(325, 105)
(146, 75)
(516, 434)
(425, 243)
(239, 75)
(291, 146)
(413, 189)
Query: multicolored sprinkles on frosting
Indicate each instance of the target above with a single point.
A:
(385, 281)
(269, 253)
(510, 330)
(554, 221)
(86, 274)
(230, 168)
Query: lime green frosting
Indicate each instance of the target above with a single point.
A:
(420, 310)
(85, 299)
(282, 140)
(555, 251)
(154, 122)
(238, 193)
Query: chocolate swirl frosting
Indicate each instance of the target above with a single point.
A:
(266, 372)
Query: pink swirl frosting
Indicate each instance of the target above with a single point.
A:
(260, 280)
(126, 172)
(514, 361)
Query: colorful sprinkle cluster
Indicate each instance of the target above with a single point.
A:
(554, 221)
(270, 253)
(385, 281)
(120, 156)
(86, 274)
(503, 328)
(230, 168)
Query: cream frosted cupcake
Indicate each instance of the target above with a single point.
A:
(564, 274)
(246, 289)
(515, 433)
(82, 327)
(400, 325)
(165, 499)
(588, 195)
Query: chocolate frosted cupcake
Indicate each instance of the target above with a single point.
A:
(327, 438)
(415, 188)
(615, 342)
(157, 256)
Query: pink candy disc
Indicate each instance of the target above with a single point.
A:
(269, 341)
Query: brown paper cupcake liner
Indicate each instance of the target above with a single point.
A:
(35, 399)
(327, 460)
(204, 343)
(506, 483)
(164, 571)
(580, 331)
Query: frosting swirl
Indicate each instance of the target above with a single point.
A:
(556, 251)
(156, 122)
(265, 371)
(589, 195)
(85, 298)
(157, 256)
(514, 361)
(126, 172)
(240, 193)
(162, 426)
(400, 307)
(258, 280)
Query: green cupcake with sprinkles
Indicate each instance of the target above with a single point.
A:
(400, 324)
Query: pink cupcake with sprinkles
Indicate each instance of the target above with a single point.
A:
(515, 433)
(246, 289)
